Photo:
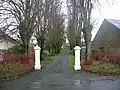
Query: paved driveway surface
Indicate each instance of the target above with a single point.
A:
(58, 76)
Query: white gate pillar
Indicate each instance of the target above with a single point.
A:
(77, 65)
(37, 58)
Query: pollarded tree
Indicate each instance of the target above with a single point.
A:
(81, 17)
(71, 29)
(55, 35)
(44, 20)
(18, 16)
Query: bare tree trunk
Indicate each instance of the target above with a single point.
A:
(26, 45)
(42, 49)
(87, 36)
(41, 44)
(49, 49)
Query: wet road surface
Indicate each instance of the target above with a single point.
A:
(58, 76)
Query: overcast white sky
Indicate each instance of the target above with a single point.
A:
(107, 10)
(104, 10)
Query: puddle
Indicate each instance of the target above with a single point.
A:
(56, 85)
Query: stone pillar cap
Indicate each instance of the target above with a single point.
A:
(77, 48)
(37, 47)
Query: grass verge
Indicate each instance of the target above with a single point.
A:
(72, 61)
(103, 67)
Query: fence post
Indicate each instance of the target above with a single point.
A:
(37, 58)
(77, 65)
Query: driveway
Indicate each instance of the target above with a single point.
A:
(58, 76)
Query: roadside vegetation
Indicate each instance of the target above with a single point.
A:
(103, 66)
(72, 61)
(96, 66)
(13, 69)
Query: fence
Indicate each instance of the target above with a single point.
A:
(12, 65)
(23, 58)
(102, 64)
(112, 58)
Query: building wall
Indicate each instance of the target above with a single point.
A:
(5, 44)
(108, 38)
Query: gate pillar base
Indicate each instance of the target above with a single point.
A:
(77, 67)
(37, 67)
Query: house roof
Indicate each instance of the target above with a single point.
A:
(2, 33)
(114, 22)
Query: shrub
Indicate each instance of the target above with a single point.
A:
(17, 49)
(12, 66)
(13, 69)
